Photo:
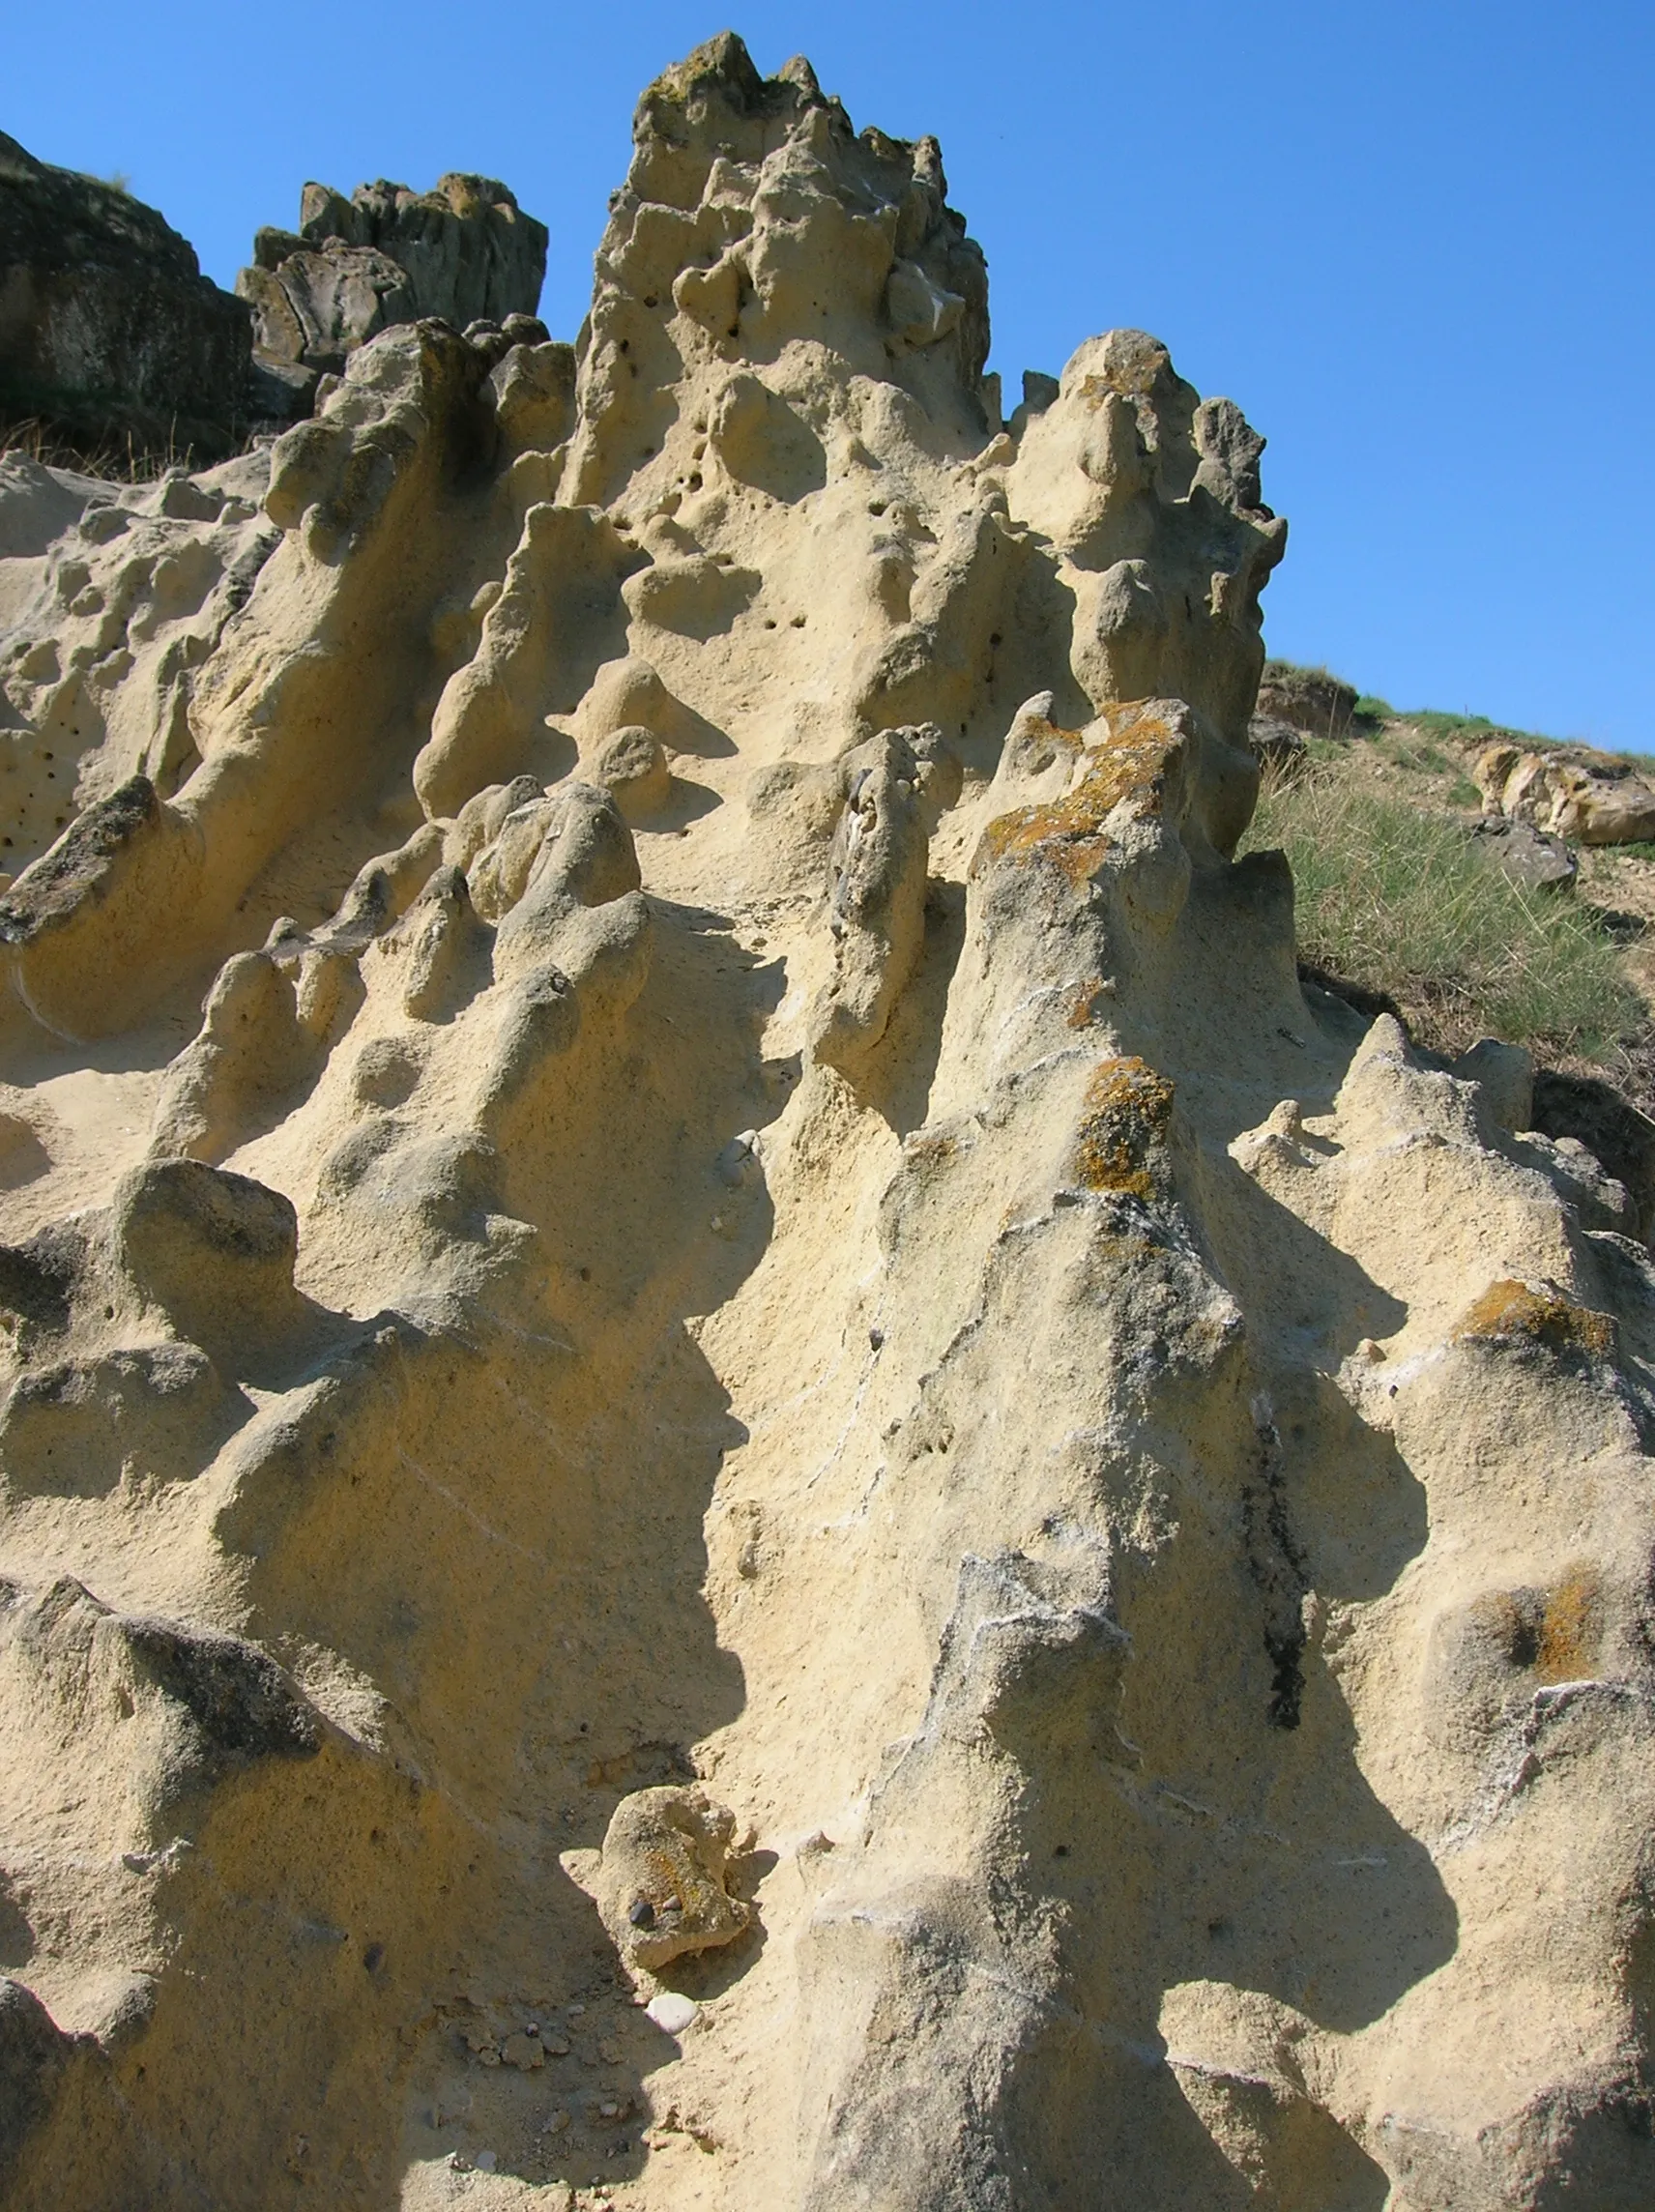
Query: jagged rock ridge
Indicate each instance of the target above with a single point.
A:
(465, 253)
(696, 1312)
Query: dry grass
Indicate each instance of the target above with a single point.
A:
(113, 460)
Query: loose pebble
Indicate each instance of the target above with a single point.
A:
(486, 2161)
(671, 2013)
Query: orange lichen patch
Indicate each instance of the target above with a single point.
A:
(1129, 763)
(664, 1880)
(1127, 1108)
(1542, 1317)
(1555, 1633)
(1081, 1009)
(1569, 1628)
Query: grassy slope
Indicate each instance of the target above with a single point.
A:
(1394, 895)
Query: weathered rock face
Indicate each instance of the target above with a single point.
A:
(1308, 699)
(107, 324)
(1581, 794)
(465, 253)
(757, 1352)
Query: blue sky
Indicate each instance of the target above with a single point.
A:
(1413, 242)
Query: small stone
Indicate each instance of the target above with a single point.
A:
(671, 2013)
(556, 2123)
(524, 2052)
(1529, 857)
(486, 2161)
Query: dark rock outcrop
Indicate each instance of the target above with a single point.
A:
(108, 330)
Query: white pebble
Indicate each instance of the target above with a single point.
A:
(671, 2013)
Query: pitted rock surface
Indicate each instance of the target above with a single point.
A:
(734, 1452)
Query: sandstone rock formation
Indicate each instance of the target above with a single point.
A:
(464, 252)
(1569, 792)
(695, 1313)
(107, 327)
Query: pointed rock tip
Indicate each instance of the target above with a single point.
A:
(798, 73)
(723, 61)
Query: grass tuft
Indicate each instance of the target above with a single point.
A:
(1401, 901)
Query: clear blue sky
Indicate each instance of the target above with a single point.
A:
(1413, 240)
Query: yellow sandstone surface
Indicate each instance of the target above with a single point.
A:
(738, 1465)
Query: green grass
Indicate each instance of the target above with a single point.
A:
(1425, 757)
(1400, 900)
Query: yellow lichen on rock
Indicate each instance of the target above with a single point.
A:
(1128, 1108)
(1538, 1315)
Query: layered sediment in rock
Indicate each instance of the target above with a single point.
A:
(696, 1314)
